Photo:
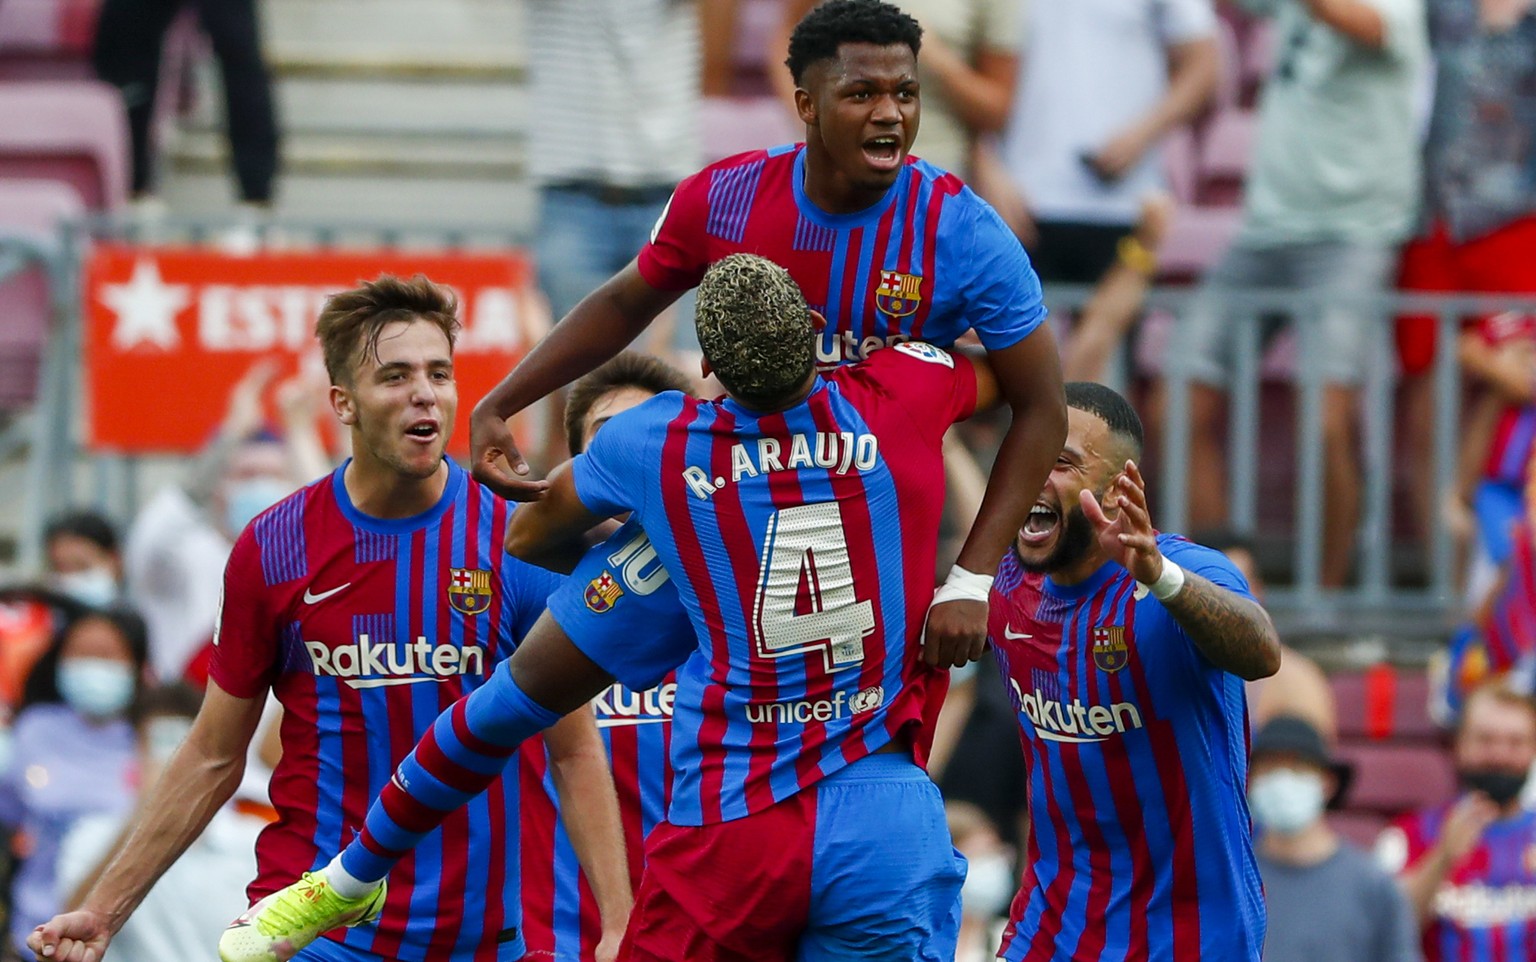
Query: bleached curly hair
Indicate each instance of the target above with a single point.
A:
(755, 329)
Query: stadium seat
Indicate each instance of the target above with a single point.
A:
(70, 131)
(1393, 778)
(756, 20)
(1180, 163)
(1229, 78)
(1258, 51)
(1196, 237)
(30, 210)
(1384, 704)
(46, 39)
(1225, 151)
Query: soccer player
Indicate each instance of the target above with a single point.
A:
(886, 247)
(560, 918)
(799, 519)
(368, 602)
(1124, 651)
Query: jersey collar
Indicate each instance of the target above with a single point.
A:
(426, 518)
(1085, 587)
(816, 215)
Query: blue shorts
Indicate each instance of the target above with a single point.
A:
(325, 950)
(858, 867)
(622, 610)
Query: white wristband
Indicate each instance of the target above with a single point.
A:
(963, 585)
(1169, 583)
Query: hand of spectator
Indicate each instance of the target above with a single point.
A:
(495, 461)
(80, 936)
(1127, 536)
(1115, 159)
(956, 633)
(1512, 372)
(1465, 825)
(245, 413)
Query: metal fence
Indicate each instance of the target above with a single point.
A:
(1377, 597)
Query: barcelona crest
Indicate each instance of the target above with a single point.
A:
(602, 592)
(899, 294)
(1110, 652)
(469, 590)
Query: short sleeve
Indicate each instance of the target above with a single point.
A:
(1184, 21)
(1407, 28)
(675, 258)
(610, 475)
(1003, 302)
(245, 642)
(934, 387)
(1208, 563)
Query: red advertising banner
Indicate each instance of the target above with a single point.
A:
(170, 330)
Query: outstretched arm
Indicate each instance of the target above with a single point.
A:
(544, 532)
(594, 331)
(1233, 632)
(200, 777)
(590, 810)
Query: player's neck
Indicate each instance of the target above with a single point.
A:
(382, 492)
(1312, 845)
(829, 190)
(793, 400)
(1080, 570)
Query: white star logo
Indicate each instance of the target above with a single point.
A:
(146, 307)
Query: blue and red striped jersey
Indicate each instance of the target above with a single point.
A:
(1486, 909)
(367, 629)
(1136, 748)
(928, 262)
(802, 544)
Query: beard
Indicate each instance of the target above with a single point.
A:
(1074, 544)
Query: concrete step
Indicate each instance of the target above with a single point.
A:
(473, 33)
(363, 153)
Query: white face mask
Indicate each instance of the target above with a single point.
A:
(1285, 801)
(95, 587)
(989, 886)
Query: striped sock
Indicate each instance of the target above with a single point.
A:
(457, 759)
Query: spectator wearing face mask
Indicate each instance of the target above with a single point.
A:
(74, 751)
(990, 879)
(187, 910)
(1327, 901)
(83, 558)
(1469, 864)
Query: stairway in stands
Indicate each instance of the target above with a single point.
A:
(397, 110)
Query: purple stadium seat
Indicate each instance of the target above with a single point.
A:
(1225, 151)
(1196, 238)
(1394, 778)
(46, 39)
(756, 20)
(70, 131)
(31, 209)
(731, 125)
(1397, 710)
(1258, 58)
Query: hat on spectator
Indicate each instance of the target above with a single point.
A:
(1289, 735)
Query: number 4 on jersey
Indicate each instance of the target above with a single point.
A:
(805, 547)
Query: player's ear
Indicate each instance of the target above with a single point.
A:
(805, 106)
(342, 404)
(704, 369)
(818, 322)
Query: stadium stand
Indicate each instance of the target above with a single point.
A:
(72, 131)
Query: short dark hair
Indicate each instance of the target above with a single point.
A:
(1112, 408)
(754, 328)
(350, 322)
(87, 525)
(627, 369)
(826, 28)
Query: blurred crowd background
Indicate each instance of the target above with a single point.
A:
(1301, 233)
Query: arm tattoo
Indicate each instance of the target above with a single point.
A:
(1235, 634)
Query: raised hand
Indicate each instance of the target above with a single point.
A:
(492, 451)
(1123, 525)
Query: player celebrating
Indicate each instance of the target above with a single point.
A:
(560, 918)
(799, 519)
(1124, 652)
(885, 246)
(368, 602)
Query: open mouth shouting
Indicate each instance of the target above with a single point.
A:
(884, 153)
(424, 431)
(1041, 525)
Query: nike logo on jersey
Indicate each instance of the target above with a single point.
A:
(1012, 635)
(310, 598)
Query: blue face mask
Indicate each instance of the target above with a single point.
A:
(244, 500)
(96, 687)
(94, 587)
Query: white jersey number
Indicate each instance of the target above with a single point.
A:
(806, 545)
(638, 565)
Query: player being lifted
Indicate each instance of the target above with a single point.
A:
(1124, 651)
(885, 246)
(368, 602)
(799, 519)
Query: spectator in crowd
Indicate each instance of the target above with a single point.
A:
(73, 750)
(1299, 688)
(990, 879)
(1467, 864)
(189, 907)
(84, 561)
(129, 38)
(1480, 201)
(1102, 83)
(1327, 901)
(1331, 194)
(177, 545)
(967, 71)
